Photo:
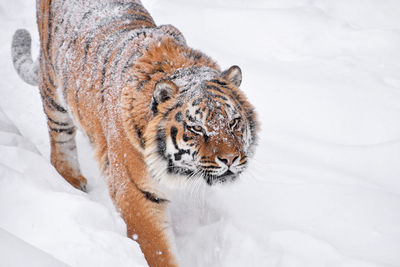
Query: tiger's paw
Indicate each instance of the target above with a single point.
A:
(78, 182)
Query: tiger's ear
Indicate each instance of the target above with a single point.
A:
(234, 75)
(163, 90)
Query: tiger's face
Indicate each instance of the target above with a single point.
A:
(207, 133)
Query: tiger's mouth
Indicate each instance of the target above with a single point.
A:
(209, 177)
(227, 176)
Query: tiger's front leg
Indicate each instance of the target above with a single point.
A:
(143, 211)
(147, 224)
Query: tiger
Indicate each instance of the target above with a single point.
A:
(158, 113)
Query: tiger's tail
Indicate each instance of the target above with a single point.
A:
(22, 58)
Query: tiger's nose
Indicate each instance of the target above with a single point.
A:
(228, 160)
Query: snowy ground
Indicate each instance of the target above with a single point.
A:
(324, 186)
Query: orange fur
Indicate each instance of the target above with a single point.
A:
(109, 66)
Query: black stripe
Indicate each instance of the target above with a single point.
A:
(51, 103)
(64, 35)
(49, 79)
(186, 138)
(179, 116)
(211, 167)
(154, 106)
(55, 105)
(213, 87)
(206, 138)
(62, 130)
(223, 84)
(108, 20)
(46, 45)
(103, 43)
(128, 63)
(177, 105)
(109, 6)
(47, 68)
(206, 161)
(174, 132)
(161, 142)
(146, 194)
(105, 6)
(57, 122)
(110, 40)
(151, 197)
(187, 114)
(121, 49)
(141, 84)
(220, 96)
(60, 13)
(49, 32)
(197, 101)
(45, 101)
(178, 155)
(139, 134)
(232, 94)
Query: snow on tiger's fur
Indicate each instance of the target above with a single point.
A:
(158, 113)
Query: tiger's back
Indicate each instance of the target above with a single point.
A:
(86, 47)
(157, 112)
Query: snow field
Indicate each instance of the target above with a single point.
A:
(323, 188)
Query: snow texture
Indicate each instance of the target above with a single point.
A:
(12, 247)
(323, 188)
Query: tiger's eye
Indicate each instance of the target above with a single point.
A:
(234, 123)
(198, 128)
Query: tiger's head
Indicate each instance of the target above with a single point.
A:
(203, 127)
